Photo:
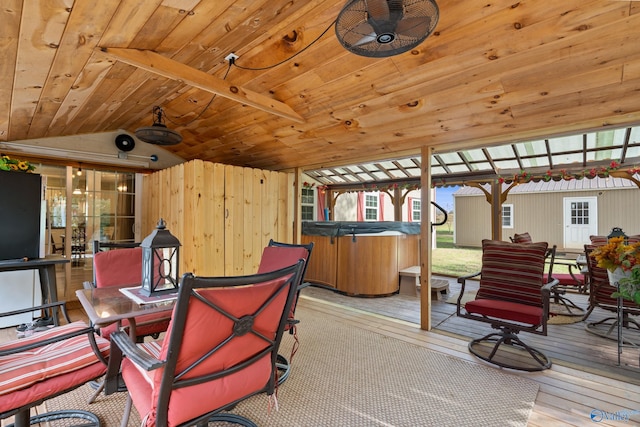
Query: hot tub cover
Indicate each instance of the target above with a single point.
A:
(343, 228)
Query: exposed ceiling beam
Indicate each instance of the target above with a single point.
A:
(169, 68)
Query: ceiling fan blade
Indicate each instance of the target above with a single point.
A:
(413, 27)
(378, 10)
(362, 33)
(366, 39)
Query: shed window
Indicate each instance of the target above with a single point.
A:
(507, 216)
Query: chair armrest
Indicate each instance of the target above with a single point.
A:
(60, 305)
(463, 281)
(304, 285)
(546, 289)
(546, 297)
(134, 353)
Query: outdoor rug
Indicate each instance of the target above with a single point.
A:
(346, 376)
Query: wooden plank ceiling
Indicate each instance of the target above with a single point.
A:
(493, 72)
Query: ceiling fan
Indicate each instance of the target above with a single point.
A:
(382, 28)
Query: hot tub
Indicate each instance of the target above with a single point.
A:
(361, 258)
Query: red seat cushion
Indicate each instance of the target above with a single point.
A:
(565, 279)
(147, 324)
(506, 310)
(24, 369)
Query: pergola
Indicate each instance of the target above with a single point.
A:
(614, 152)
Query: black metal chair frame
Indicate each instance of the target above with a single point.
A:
(283, 364)
(122, 344)
(21, 414)
(508, 330)
(610, 323)
(559, 291)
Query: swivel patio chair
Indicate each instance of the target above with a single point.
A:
(46, 364)
(513, 297)
(220, 349)
(600, 296)
(275, 256)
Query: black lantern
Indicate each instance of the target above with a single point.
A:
(617, 232)
(160, 261)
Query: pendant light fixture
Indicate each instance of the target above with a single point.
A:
(158, 133)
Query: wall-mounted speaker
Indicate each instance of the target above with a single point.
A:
(125, 142)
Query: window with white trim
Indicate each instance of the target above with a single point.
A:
(507, 216)
(308, 208)
(371, 204)
(415, 210)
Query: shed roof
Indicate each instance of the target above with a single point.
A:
(596, 183)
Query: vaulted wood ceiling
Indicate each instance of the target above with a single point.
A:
(492, 72)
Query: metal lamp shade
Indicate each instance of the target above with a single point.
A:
(160, 262)
(617, 232)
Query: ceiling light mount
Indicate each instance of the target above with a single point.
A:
(231, 57)
(158, 133)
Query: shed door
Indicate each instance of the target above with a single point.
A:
(580, 220)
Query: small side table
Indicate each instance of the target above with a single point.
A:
(47, 269)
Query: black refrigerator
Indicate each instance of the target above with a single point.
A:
(20, 207)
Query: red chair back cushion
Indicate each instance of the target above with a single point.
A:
(522, 238)
(118, 267)
(277, 257)
(512, 271)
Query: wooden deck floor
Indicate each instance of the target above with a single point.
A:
(583, 380)
(568, 395)
(568, 345)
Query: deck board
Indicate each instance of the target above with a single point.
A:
(568, 344)
(567, 394)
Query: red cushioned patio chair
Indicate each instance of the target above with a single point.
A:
(275, 256)
(600, 296)
(513, 297)
(49, 363)
(121, 266)
(221, 348)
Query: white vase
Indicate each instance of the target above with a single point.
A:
(616, 275)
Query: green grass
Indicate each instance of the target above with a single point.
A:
(448, 260)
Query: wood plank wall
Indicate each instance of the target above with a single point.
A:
(223, 215)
